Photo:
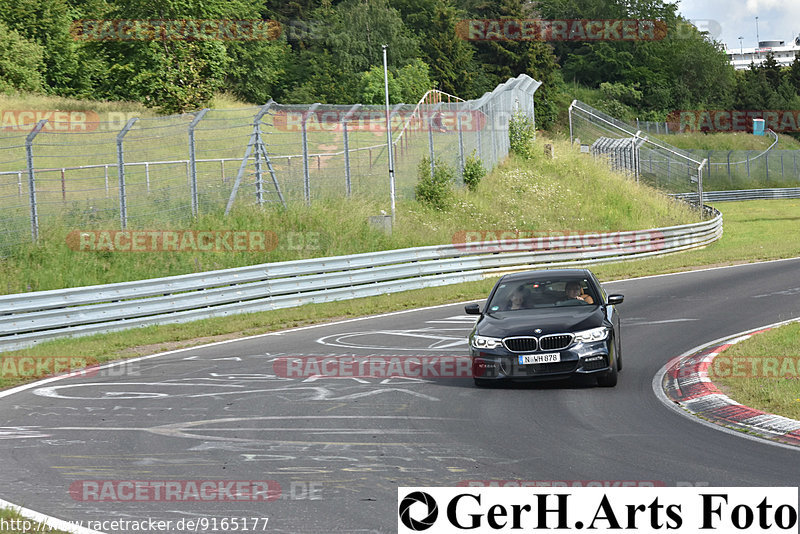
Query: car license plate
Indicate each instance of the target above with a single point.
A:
(550, 357)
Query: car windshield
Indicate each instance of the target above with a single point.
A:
(551, 293)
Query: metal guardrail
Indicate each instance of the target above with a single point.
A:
(29, 318)
(743, 194)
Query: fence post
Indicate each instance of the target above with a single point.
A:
(147, 175)
(19, 183)
(730, 178)
(193, 158)
(306, 176)
(254, 140)
(345, 120)
(571, 139)
(63, 185)
(700, 185)
(460, 149)
(434, 112)
(766, 164)
(123, 207)
(748, 164)
(32, 178)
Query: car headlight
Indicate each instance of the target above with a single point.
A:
(595, 334)
(484, 342)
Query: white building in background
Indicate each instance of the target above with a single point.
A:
(784, 54)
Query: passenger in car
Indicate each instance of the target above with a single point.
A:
(518, 299)
(574, 290)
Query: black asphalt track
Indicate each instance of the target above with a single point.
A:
(340, 447)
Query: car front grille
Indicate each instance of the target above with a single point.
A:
(558, 367)
(521, 344)
(556, 342)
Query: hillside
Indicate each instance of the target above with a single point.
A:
(571, 193)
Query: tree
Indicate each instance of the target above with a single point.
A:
(48, 23)
(449, 56)
(329, 70)
(173, 74)
(20, 62)
(794, 74)
(772, 71)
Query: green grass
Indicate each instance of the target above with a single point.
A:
(728, 141)
(769, 389)
(8, 515)
(739, 244)
(571, 193)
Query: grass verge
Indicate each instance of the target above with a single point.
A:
(763, 372)
(753, 231)
(571, 193)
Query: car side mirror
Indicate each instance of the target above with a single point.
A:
(615, 299)
(472, 309)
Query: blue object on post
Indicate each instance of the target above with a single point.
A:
(758, 126)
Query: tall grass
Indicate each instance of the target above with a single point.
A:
(569, 193)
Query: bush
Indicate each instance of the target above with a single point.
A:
(520, 134)
(434, 189)
(473, 171)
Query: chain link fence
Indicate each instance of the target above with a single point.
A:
(157, 172)
(653, 161)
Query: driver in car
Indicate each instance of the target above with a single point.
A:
(575, 291)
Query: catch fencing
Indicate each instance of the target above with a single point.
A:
(631, 151)
(163, 171)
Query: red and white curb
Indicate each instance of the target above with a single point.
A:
(686, 383)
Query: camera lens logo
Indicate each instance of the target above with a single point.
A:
(405, 511)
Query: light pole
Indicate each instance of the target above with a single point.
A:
(758, 39)
(741, 47)
(388, 130)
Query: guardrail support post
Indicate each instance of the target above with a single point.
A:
(32, 178)
(193, 160)
(123, 207)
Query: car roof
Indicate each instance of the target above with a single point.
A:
(547, 273)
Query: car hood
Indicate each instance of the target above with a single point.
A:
(549, 320)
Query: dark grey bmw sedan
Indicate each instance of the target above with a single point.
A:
(546, 325)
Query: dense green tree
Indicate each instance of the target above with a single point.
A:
(794, 74)
(449, 56)
(48, 23)
(20, 62)
(772, 71)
